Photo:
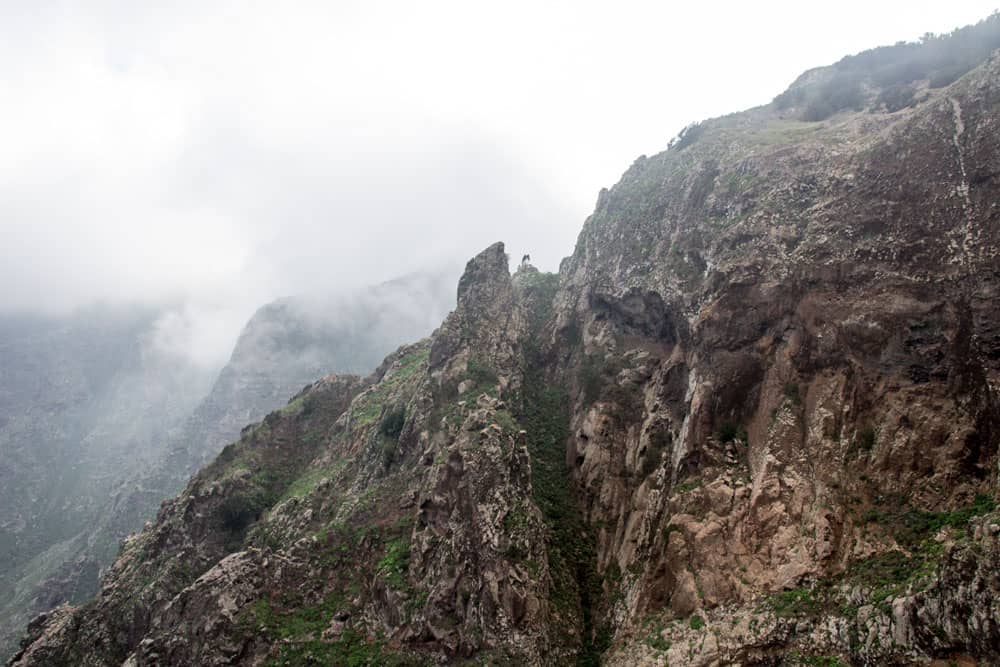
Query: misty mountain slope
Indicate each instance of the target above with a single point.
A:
(85, 401)
(287, 344)
(338, 472)
(753, 420)
(136, 456)
(292, 342)
(59, 378)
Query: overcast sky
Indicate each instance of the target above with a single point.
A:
(224, 153)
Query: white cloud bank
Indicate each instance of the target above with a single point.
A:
(225, 153)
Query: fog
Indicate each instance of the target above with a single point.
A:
(213, 156)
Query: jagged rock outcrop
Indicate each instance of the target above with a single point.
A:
(753, 420)
(486, 326)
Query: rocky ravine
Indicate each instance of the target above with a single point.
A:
(753, 420)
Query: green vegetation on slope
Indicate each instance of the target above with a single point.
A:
(297, 624)
(886, 575)
(370, 406)
(571, 551)
(912, 527)
(939, 59)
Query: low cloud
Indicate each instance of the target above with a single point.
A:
(218, 155)
(199, 333)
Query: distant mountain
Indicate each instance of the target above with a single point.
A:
(294, 341)
(97, 427)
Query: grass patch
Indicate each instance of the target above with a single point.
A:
(911, 527)
(506, 421)
(481, 373)
(884, 576)
(394, 565)
(308, 481)
(783, 132)
(299, 620)
(655, 641)
(368, 407)
(796, 602)
(688, 486)
(888, 574)
(350, 650)
(296, 404)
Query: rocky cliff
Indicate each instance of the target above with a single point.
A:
(753, 420)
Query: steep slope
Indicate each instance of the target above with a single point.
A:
(287, 344)
(380, 508)
(84, 402)
(799, 320)
(754, 420)
(291, 342)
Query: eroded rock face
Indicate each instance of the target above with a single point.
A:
(754, 420)
(830, 377)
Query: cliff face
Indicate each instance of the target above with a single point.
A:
(753, 420)
(801, 320)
